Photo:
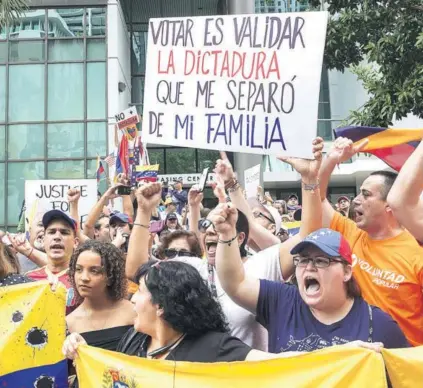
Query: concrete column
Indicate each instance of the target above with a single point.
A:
(241, 6)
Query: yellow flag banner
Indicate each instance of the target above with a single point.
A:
(332, 367)
(32, 332)
(405, 366)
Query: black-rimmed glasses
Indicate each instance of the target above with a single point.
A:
(258, 214)
(318, 261)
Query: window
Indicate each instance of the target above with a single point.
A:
(180, 161)
(96, 90)
(65, 91)
(53, 102)
(156, 156)
(207, 158)
(2, 93)
(26, 93)
(26, 141)
(65, 140)
(17, 173)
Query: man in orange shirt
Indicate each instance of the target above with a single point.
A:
(387, 260)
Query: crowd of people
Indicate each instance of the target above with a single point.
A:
(167, 278)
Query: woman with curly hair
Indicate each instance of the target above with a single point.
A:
(97, 274)
(177, 319)
(179, 243)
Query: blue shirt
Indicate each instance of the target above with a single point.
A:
(292, 326)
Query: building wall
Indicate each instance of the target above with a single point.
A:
(119, 65)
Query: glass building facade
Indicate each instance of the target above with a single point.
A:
(53, 111)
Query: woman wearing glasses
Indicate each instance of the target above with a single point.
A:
(325, 309)
(179, 243)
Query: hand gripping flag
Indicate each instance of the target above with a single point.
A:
(393, 146)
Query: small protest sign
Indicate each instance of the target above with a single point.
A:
(127, 118)
(245, 83)
(252, 180)
(45, 195)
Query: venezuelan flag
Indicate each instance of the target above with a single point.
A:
(147, 173)
(393, 146)
(122, 160)
(100, 169)
(293, 227)
(32, 332)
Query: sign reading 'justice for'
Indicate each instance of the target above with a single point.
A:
(245, 83)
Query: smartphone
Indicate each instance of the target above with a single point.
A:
(203, 179)
(124, 190)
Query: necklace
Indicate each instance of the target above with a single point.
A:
(164, 349)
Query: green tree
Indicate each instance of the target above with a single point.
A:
(11, 10)
(381, 41)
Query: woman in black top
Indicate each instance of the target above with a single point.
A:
(177, 319)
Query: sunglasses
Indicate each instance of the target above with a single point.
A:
(258, 214)
(204, 224)
(172, 253)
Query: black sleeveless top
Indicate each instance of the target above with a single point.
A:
(107, 339)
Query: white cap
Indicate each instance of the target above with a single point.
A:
(276, 216)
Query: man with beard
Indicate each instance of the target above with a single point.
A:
(59, 242)
(387, 260)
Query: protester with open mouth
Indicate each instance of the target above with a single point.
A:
(59, 242)
(325, 309)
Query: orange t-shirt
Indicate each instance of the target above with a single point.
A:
(390, 274)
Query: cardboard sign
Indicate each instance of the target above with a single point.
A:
(45, 195)
(252, 181)
(244, 83)
(127, 118)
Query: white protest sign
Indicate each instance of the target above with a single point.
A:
(45, 195)
(245, 83)
(127, 117)
(252, 181)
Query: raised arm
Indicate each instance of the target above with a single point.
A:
(262, 237)
(195, 197)
(96, 211)
(404, 197)
(241, 289)
(73, 199)
(22, 245)
(342, 150)
(148, 196)
(311, 216)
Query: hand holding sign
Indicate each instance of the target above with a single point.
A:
(344, 149)
(195, 197)
(308, 169)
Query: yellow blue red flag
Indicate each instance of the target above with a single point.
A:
(332, 367)
(393, 146)
(32, 332)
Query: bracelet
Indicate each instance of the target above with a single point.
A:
(231, 183)
(235, 187)
(310, 187)
(229, 242)
(30, 253)
(143, 226)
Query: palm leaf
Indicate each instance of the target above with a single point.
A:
(11, 10)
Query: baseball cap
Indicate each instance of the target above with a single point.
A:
(120, 217)
(171, 216)
(293, 196)
(328, 241)
(52, 215)
(343, 197)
